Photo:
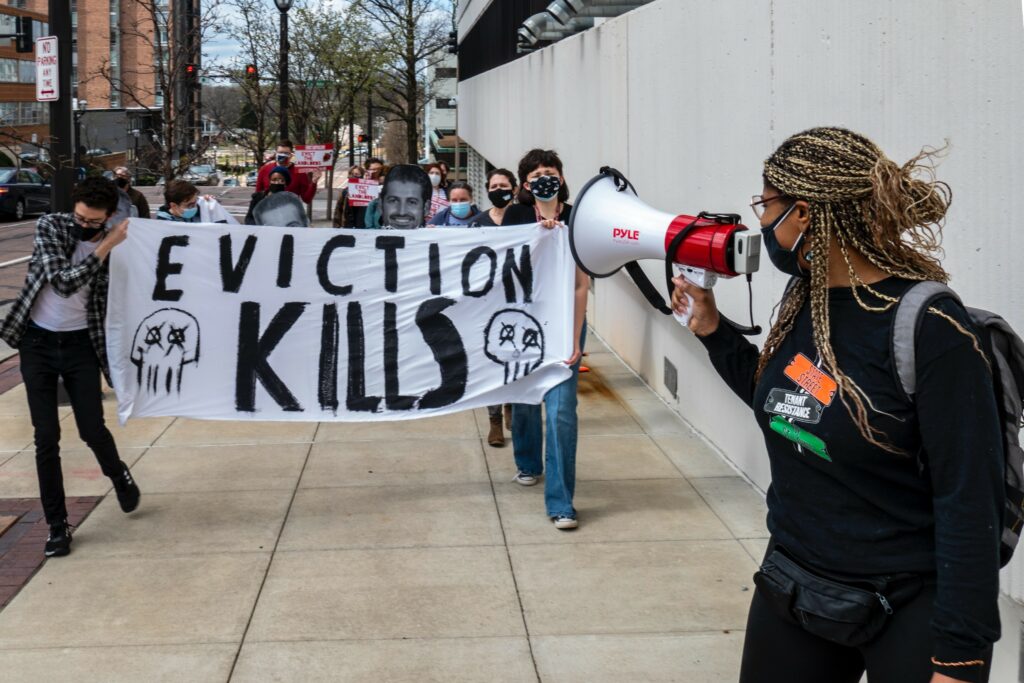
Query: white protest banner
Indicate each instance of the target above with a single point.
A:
(313, 157)
(216, 321)
(362, 192)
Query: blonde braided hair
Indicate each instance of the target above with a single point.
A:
(861, 200)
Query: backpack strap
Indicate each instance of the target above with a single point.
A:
(905, 323)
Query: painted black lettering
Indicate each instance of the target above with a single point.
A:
(391, 244)
(324, 261)
(165, 268)
(253, 350)
(356, 398)
(435, 268)
(286, 259)
(327, 389)
(467, 269)
(449, 352)
(232, 274)
(392, 398)
(523, 272)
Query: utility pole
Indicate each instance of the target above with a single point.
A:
(369, 125)
(60, 111)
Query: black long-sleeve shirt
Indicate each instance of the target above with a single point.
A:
(843, 505)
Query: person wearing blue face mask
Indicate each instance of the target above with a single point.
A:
(181, 203)
(461, 211)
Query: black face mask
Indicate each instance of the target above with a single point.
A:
(500, 198)
(546, 187)
(786, 260)
(122, 183)
(282, 159)
(276, 188)
(89, 234)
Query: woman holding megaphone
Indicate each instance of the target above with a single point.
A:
(884, 511)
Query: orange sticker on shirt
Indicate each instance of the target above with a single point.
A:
(812, 380)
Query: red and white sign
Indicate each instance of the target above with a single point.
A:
(313, 157)
(437, 202)
(47, 89)
(363, 192)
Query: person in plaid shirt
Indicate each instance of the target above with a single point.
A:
(57, 326)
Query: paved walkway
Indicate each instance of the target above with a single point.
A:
(391, 552)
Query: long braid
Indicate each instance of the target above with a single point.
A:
(860, 200)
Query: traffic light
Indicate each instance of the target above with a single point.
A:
(251, 74)
(191, 70)
(361, 137)
(453, 42)
(23, 40)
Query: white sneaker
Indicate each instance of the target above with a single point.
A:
(565, 523)
(524, 479)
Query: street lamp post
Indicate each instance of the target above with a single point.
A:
(79, 148)
(284, 6)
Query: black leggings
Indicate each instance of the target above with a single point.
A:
(777, 649)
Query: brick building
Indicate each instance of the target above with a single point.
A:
(22, 119)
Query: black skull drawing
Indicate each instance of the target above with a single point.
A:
(165, 342)
(514, 339)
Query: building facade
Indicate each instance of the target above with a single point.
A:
(688, 98)
(23, 121)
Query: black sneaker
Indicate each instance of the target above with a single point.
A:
(59, 541)
(126, 489)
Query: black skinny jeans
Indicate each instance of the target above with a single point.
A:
(44, 356)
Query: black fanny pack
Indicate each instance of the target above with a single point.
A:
(848, 613)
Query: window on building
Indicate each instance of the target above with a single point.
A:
(26, 71)
(443, 103)
(8, 70)
(446, 72)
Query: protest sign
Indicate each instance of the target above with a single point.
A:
(215, 321)
(362, 192)
(437, 202)
(313, 157)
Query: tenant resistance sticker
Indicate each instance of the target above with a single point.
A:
(812, 380)
(791, 404)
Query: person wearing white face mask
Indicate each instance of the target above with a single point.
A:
(439, 195)
(461, 211)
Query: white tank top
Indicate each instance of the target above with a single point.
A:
(56, 313)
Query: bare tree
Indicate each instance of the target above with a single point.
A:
(413, 34)
(337, 71)
(255, 127)
(161, 87)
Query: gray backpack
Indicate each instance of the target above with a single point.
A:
(1005, 352)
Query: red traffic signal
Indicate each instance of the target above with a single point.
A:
(361, 137)
(250, 72)
(191, 70)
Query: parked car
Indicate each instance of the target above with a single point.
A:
(202, 174)
(23, 192)
(231, 182)
(97, 152)
(250, 180)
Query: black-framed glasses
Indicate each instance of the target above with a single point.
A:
(89, 224)
(759, 201)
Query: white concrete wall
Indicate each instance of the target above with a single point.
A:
(688, 97)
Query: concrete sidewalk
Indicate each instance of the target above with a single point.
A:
(391, 552)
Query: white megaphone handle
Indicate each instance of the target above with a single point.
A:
(704, 279)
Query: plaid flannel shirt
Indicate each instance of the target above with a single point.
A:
(57, 235)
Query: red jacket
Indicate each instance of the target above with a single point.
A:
(301, 184)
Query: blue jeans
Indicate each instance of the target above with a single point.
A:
(560, 452)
